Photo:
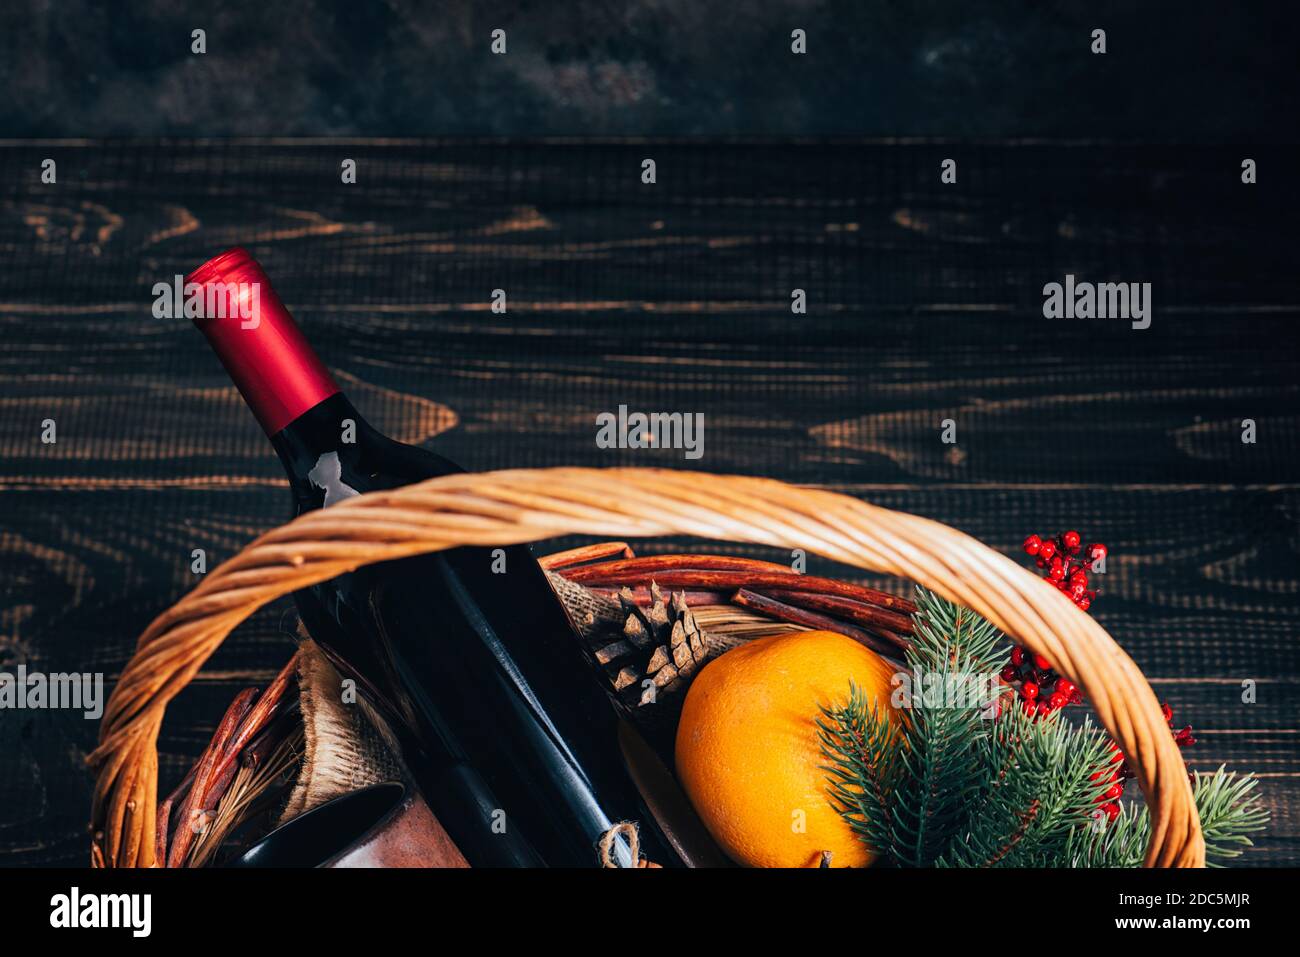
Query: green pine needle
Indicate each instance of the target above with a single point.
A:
(945, 784)
(1229, 808)
(946, 635)
(1037, 788)
(942, 763)
(865, 773)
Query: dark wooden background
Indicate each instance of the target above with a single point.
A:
(924, 304)
(1172, 68)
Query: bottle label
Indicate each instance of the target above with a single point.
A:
(327, 475)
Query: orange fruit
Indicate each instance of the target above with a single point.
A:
(748, 754)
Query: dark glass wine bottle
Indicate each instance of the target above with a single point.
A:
(512, 739)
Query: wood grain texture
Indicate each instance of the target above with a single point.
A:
(924, 304)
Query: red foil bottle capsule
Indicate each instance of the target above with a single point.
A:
(258, 342)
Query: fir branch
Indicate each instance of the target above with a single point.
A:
(1119, 843)
(861, 742)
(939, 786)
(953, 666)
(1012, 840)
(1227, 803)
(942, 763)
(948, 636)
(1038, 789)
(1230, 810)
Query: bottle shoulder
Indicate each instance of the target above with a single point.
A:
(331, 453)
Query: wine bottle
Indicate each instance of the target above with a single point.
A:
(467, 653)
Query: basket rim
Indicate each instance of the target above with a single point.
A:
(525, 505)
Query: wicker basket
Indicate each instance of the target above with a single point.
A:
(502, 508)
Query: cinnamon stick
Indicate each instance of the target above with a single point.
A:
(856, 611)
(220, 785)
(206, 773)
(246, 718)
(812, 619)
(584, 554)
(162, 829)
(627, 571)
(261, 747)
(896, 638)
(263, 712)
(702, 579)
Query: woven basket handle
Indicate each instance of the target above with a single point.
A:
(504, 508)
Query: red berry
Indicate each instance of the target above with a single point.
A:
(1032, 544)
(1112, 810)
(1047, 550)
(1113, 792)
(1056, 573)
(1017, 656)
(1084, 603)
(1064, 686)
(1044, 708)
(1029, 690)
(1079, 575)
(1009, 673)
(1057, 700)
(1042, 663)
(1098, 551)
(1071, 541)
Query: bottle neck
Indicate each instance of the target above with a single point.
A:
(324, 452)
(256, 339)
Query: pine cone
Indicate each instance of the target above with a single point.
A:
(661, 649)
(650, 666)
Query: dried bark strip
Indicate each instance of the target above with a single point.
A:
(812, 619)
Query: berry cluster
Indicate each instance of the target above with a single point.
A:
(1062, 560)
(1118, 772)
(1041, 689)
(1065, 563)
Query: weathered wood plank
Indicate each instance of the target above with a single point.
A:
(924, 304)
